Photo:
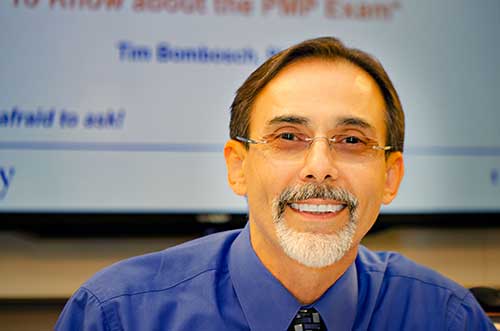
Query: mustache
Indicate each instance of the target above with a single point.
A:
(315, 191)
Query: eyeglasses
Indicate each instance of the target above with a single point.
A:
(294, 145)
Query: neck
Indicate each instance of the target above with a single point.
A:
(306, 284)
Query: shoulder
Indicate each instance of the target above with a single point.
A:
(163, 270)
(401, 287)
(395, 267)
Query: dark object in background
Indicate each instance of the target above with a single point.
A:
(488, 298)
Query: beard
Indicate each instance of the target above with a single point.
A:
(316, 250)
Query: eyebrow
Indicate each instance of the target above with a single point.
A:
(354, 121)
(289, 119)
(300, 120)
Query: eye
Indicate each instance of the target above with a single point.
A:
(353, 140)
(288, 136)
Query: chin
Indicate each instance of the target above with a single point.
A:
(316, 250)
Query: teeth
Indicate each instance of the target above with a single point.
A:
(317, 208)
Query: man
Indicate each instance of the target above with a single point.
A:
(316, 148)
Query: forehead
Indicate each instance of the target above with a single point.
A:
(322, 91)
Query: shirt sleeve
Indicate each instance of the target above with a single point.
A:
(469, 316)
(82, 312)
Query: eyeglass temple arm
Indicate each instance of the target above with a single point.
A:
(250, 141)
(382, 148)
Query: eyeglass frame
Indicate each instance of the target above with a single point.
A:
(310, 140)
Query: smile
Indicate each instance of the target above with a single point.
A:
(317, 208)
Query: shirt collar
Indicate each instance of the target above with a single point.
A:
(268, 305)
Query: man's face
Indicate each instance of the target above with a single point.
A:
(317, 98)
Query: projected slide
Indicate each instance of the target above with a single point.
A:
(123, 105)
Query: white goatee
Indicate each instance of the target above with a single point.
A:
(315, 250)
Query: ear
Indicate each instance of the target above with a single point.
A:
(394, 173)
(235, 154)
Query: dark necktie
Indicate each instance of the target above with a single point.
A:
(307, 319)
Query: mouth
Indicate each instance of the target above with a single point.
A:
(315, 204)
(317, 208)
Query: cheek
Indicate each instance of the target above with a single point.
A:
(368, 184)
(265, 181)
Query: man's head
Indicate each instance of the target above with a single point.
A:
(327, 48)
(317, 135)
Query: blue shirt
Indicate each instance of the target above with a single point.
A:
(218, 283)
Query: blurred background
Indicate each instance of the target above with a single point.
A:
(114, 113)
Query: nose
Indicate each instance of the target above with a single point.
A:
(319, 162)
